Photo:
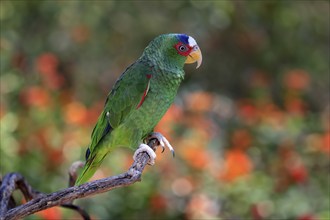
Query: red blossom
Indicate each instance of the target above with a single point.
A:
(241, 139)
(247, 111)
(299, 174)
(292, 169)
(307, 217)
(47, 64)
(158, 203)
(295, 106)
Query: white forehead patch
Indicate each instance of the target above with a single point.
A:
(191, 41)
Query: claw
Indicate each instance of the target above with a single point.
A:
(173, 153)
(163, 142)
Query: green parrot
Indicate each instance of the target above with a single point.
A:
(139, 99)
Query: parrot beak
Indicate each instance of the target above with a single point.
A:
(195, 56)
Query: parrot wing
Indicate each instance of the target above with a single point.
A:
(126, 96)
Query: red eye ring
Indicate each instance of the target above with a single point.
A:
(183, 49)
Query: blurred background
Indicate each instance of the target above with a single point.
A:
(250, 127)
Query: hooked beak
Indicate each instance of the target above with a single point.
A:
(195, 56)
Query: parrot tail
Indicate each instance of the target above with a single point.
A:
(92, 164)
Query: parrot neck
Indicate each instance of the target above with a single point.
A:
(165, 64)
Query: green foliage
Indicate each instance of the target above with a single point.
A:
(250, 127)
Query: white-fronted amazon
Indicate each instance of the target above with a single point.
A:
(140, 98)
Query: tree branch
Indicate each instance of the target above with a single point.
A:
(65, 197)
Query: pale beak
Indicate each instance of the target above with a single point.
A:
(195, 56)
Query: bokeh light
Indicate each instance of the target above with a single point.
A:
(250, 127)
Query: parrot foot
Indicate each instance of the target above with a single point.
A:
(163, 142)
(148, 150)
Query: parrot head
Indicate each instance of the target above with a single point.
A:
(187, 47)
(175, 49)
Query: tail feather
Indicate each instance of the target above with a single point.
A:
(92, 164)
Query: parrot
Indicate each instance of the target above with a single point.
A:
(139, 99)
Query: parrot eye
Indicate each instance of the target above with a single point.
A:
(183, 48)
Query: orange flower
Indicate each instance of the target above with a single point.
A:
(50, 214)
(198, 158)
(297, 79)
(75, 113)
(236, 164)
(36, 96)
(199, 101)
(201, 126)
(326, 143)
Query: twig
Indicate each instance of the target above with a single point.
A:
(81, 211)
(66, 196)
(10, 183)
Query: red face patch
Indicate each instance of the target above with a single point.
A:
(183, 49)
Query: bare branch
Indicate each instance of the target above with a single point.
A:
(64, 197)
(9, 184)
